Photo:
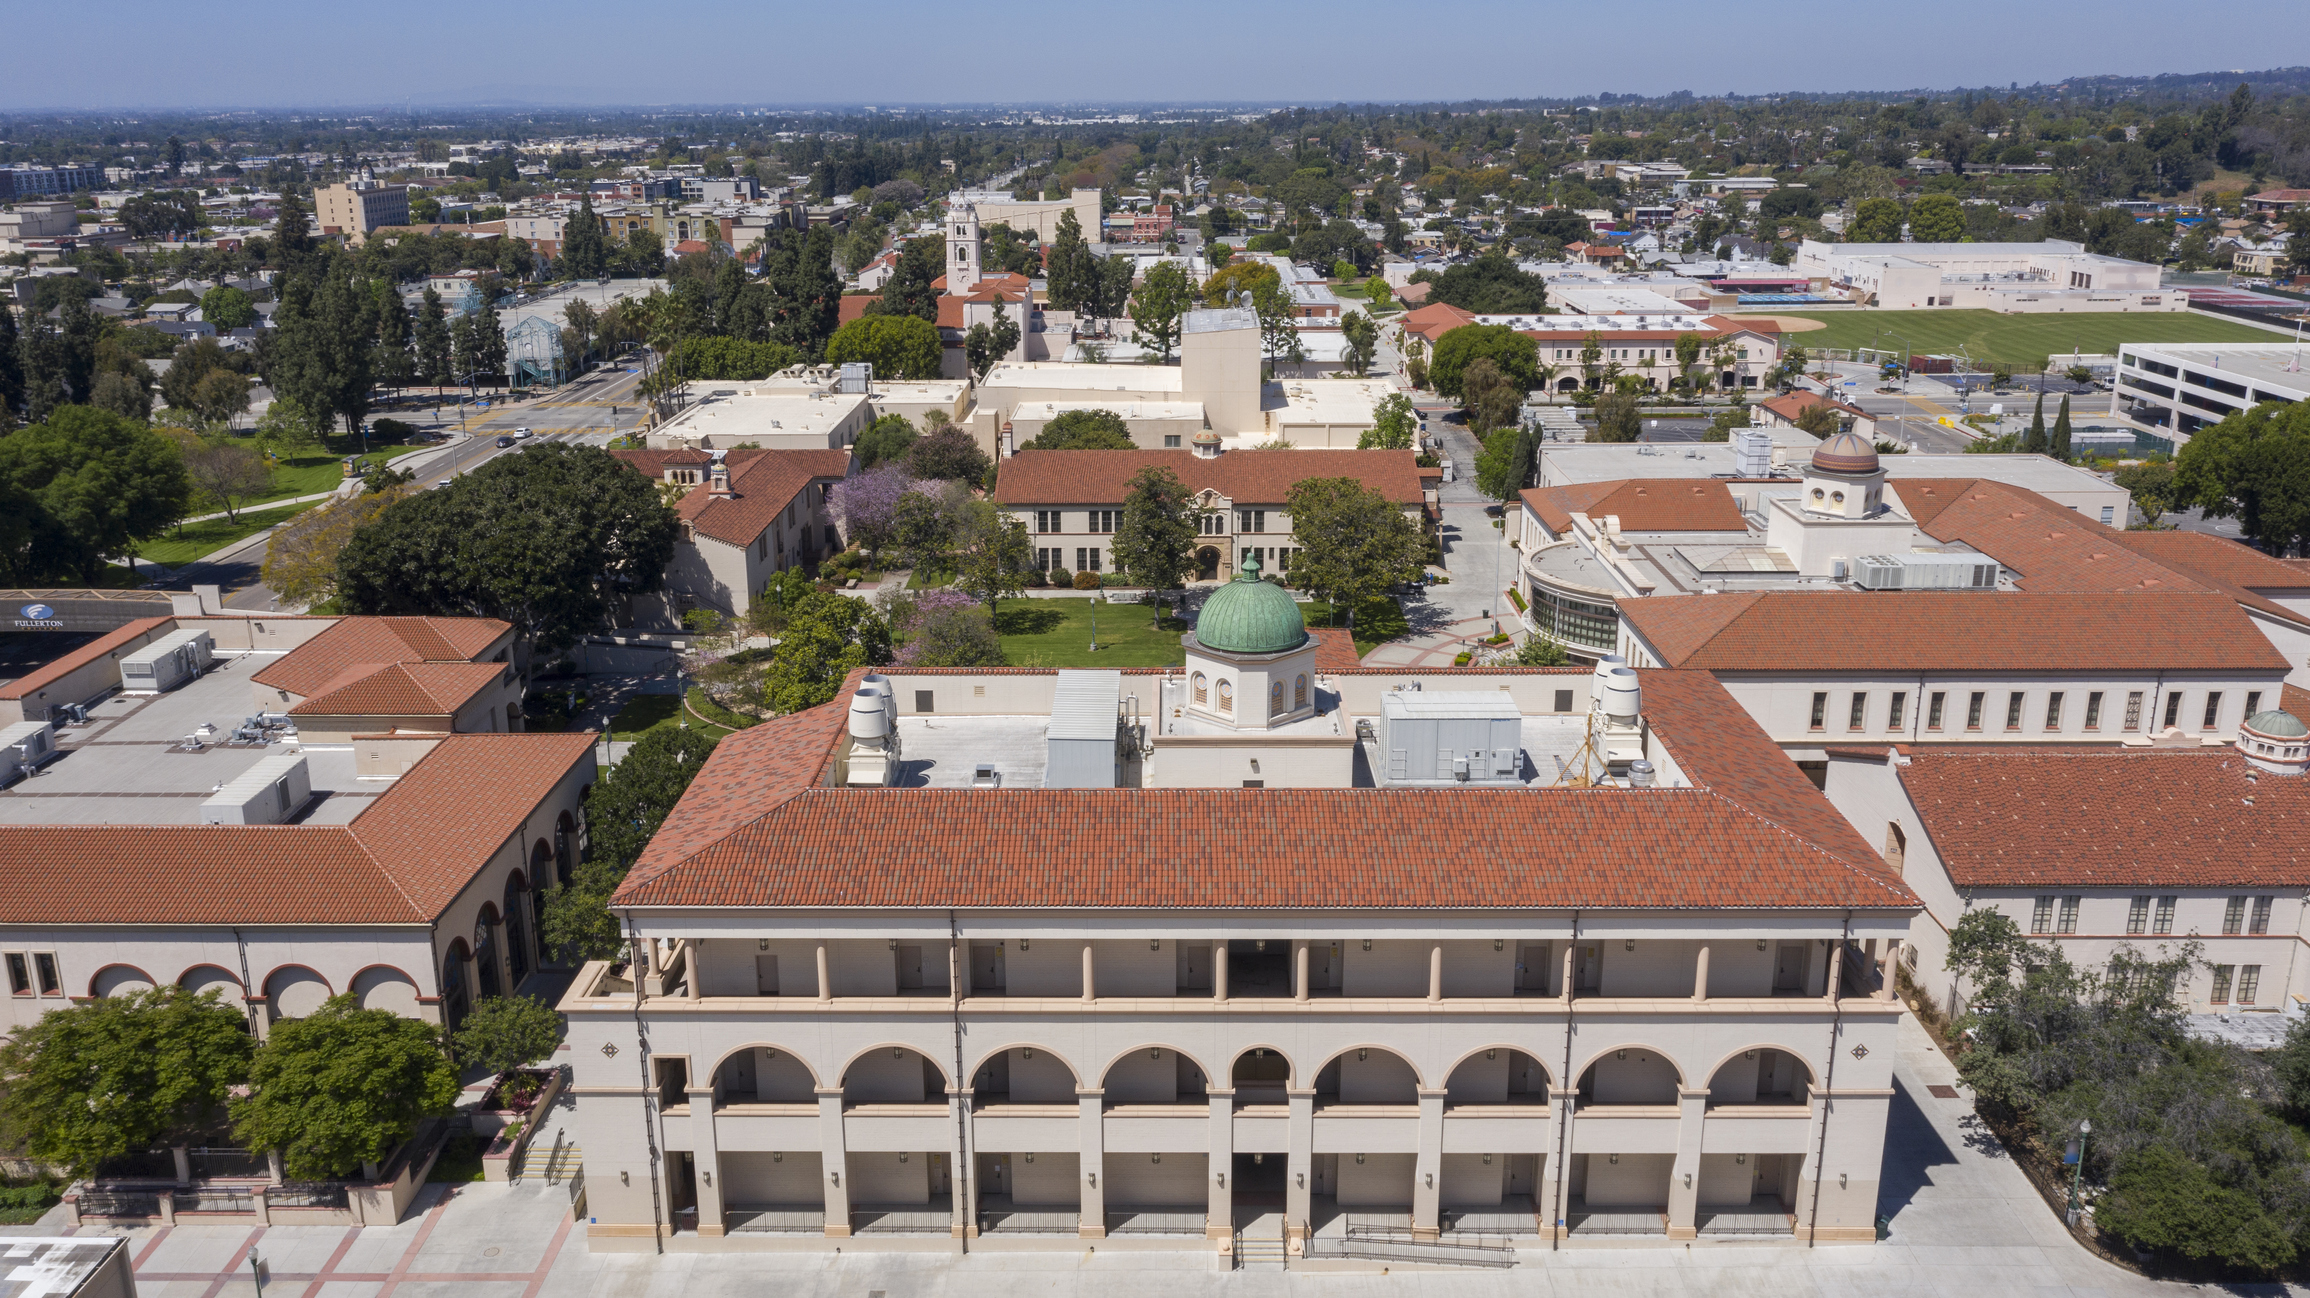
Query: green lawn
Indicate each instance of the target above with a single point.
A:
(1378, 620)
(650, 711)
(1057, 633)
(178, 548)
(2022, 341)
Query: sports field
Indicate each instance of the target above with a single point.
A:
(2022, 341)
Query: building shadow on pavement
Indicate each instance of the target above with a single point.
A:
(1912, 1150)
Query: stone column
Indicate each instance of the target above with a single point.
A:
(825, 981)
(1219, 1216)
(1891, 970)
(183, 1157)
(706, 1153)
(1299, 1170)
(1684, 1177)
(1830, 989)
(693, 969)
(1299, 991)
(833, 1166)
(1428, 1171)
(1564, 1099)
(1564, 988)
(1090, 975)
(1219, 969)
(1435, 973)
(1090, 1106)
(263, 1209)
(1700, 975)
(962, 1181)
(276, 1173)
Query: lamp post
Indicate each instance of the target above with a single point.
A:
(2076, 1159)
(257, 1272)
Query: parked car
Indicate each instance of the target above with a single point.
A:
(504, 440)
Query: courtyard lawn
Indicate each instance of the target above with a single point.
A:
(196, 540)
(646, 712)
(2022, 341)
(1057, 633)
(1378, 620)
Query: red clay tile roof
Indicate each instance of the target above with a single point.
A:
(2220, 558)
(1335, 649)
(2110, 818)
(764, 483)
(757, 829)
(1929, 631)
(2295, 699)
(853, 306)
(402, 690)
(1247, 477)
(1642, 505)
(1434, 320)
(401, 861)
(1791, 404)
(375, 642)
(134, 633)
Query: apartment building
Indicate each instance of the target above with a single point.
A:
(1072, 501)
(353, 210)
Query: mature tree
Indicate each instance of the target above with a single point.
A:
(1876, 220)
(11, 366)
(430, 350)
(228, 308)
(1819, 420)
(910, 289)
(339, 1090)
(227, 474)
(993, 552)
(301, 559)
(2033, 441)
(1071, 268)
(1540, 651)
(324, 349)
(79, 330)
(897, 346)
(2298, 241)
(949, 453)
(2151, 485)
(826, 635)
(2057, 442)
(1083, 430)
(120, 1074)
(1617, 419)
(393, 365)
(2253, 466)
(505, 1033)
(1516, 355)
(1491, 285)
(551, 540)
(1113, 289)
(1492, 399)
(886, 439)
(80, 487)
(986, 345)
(1395, 425)
(1155, 539)
(155, 216)
(122, 395)
(1504, 468)
(1363, 341)
(1356, 542)
(729, 358)
(40, 348)
(292, 245)
(585, 251)
(288, 430)
(1937, 218)
(867, 504)
(1165, 293)
(943, 628)
(644, 254)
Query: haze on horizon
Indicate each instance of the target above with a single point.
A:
(272, 54)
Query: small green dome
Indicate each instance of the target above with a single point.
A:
(2277, 725)
(1250, 616)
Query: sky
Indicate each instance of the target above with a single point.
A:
(277, 54)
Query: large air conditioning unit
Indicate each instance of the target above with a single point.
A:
(1752, 453)
(1434, 737)
(167, 662)
(23, 746)
(1925, 572)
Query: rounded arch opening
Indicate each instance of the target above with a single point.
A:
(1631, 1075)
(1762, 1075)
(203, 978)
(383, 987)
(1367, 1075)
(1024, 1075)
(456, 998)
(891, 1074)
(1498, 1075)
(486, 982)
(120, 980)
(1155, 1074)
(519, 925)
(295, 992)
(764, 1074)
(1260, 1066)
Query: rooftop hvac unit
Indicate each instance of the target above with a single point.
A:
(24, 746)
(268, 793)
(1752, 453)
(857, 376)
(1086, 707)
(1925, 572)
(1433, 737)
(167, 662)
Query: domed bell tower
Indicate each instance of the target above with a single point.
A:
(1845, 479)
(1250, 660)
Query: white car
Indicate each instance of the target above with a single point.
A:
(520, 432)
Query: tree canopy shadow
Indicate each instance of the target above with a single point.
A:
(1028, 618)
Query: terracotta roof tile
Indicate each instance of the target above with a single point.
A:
(2221, 559)
(1247, 477)
(2155, 818)
(1335, 649)
(2049, 547)
(440, 823)
(132, 633)
(403, 690)
(763, 487)
(1642, 505)
(1913, 631)
(376, 642)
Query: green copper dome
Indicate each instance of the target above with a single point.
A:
(2277, 725)
(1250, 616)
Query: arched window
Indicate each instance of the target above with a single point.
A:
(1202, 691)
(1299, 692)
(1275, 698)
(516, 929)
(485, 953)
(454, 1002)
(1226, 696)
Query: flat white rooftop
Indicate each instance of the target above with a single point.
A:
(777, 418)
(1579, 462)
(1129, 410)
(1082, 376)
(2264, 366)
(1330, 401)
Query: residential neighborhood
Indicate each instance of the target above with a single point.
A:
(1129, 688)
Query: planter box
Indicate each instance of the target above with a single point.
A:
(503, 1154)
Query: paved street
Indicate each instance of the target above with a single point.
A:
(1963, 1223)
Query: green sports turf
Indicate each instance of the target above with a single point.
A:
(2022, 341)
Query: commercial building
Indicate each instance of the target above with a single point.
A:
(2053, 275)
(353, 210)
(19, 181)
(1170, 959)
(1036, 214)
(774, 414)
(1071, 500)
(1736, 351)
(2183, 387)
(746, 515)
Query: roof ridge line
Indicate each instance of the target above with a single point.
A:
(1785, 830)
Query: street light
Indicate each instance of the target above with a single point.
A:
(2075, 1157)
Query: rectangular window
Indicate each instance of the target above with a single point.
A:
(1820, 711)
(2165, 920)
(1102, 520)
(2053, 710)
(2213, 709)
(1086, 560)
(1899, 712)
(2253, 702)
(2234, 917)
(1973, 710)
(1860, 713)
(2093, 710)
(2221, 994)
(2173, 709)
(2138, 917)
(2013, 703)
(19, 974)
(2069, 907)
(2041, 916)
(2108, 514)
(2249, 983)
(2133, 710)
(2260, 923)
(44, 964)
(1933, 710)
(1251, 520)
(1047, 520)
(1171, 443)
